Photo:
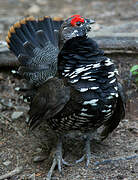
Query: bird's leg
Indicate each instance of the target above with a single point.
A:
(87, 154)
(88, 150)
(58, 160)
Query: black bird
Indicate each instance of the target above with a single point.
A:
(76, 85)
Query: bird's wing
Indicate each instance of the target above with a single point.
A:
(48, 101)
(35, 44)
(118, 114)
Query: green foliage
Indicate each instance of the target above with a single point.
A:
(134, 72)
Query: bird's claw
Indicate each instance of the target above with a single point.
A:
(57, 161)
(66, 163)
(87, 154)
(82, 159)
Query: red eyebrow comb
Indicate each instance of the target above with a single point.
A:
(77, 18)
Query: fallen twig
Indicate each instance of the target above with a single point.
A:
(116, 159)
(16, 171)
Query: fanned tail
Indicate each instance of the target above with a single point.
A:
(35, 43)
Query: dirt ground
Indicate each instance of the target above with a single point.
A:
(116, 158)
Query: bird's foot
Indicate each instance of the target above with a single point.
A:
(87, 154)
(57, 161)
(59, 164)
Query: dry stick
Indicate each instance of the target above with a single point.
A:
(115, 160)
(9, 123)
(16, 171)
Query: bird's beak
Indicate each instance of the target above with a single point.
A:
(90, 21)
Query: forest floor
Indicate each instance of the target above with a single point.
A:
(20, 147)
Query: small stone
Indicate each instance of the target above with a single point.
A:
(39, 158)
(39, 150)
(78, 177)
(16, 115)
(21, 97)
(22, 108)
(34, 9)
(13, 71)
(7, 163)
(25, 100)
(17, 89)
(27, 119)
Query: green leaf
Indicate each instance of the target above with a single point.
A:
(134, 68)
(134, 73)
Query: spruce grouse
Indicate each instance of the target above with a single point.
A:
(76, 84)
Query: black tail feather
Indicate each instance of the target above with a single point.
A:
(57, 23)
(47, 25)
(37, 32)
(36, 46)
(32, 26)
(41, 38)
(23, 59)
(13, 46)
(29, 47)
(20, 34)
(29, 34)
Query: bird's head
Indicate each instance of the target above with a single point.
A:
(75, 26)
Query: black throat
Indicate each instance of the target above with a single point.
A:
(78, 52)
(80, 43)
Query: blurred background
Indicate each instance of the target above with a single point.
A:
(105, 12)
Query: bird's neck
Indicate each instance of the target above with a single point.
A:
(77, 53)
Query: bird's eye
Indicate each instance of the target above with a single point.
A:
(78, 23)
